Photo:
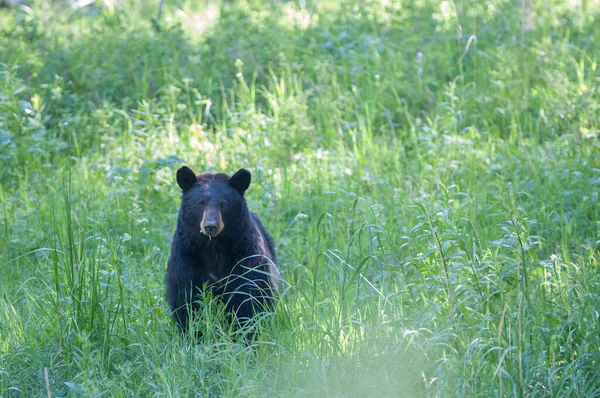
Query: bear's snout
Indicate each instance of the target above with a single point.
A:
(211, 228)
(212, 223)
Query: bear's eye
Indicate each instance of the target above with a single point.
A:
(223, 205)
(202, 203)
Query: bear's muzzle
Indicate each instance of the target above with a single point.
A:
(212, 223)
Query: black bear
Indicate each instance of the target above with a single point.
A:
(221, 245)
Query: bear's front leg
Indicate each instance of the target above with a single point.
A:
(247, 291)
(181, 300)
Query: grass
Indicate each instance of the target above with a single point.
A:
(429, 170)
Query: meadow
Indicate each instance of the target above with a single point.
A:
(429, 170)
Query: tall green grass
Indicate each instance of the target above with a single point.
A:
(429, 171)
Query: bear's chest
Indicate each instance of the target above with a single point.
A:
(216, 264)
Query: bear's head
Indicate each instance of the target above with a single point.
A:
(213, 203)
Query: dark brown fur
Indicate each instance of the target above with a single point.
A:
(220, 244)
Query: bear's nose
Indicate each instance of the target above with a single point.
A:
(210, 228)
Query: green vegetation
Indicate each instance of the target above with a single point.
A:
(430, 172)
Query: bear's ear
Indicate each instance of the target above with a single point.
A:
(186, 178)
(240, 180)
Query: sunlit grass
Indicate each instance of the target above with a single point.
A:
(434, 201)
